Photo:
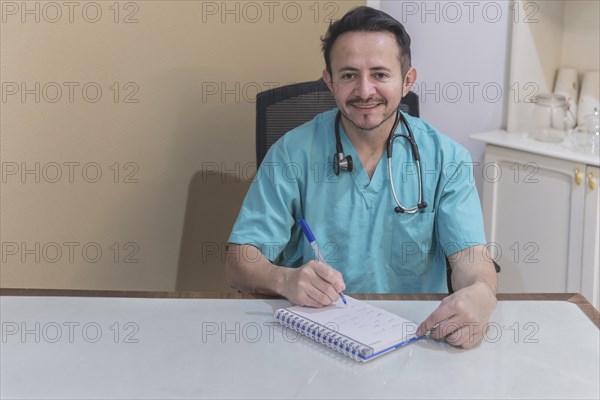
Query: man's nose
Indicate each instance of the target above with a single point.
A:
(365, 88)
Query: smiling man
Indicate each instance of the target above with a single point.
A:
(383, 226)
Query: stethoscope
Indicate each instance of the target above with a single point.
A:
(344, 163)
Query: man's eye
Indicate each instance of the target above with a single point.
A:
(347, 76)
(380, 75)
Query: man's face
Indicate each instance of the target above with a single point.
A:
(366, 78)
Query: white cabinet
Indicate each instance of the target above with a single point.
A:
(542, 217)
(540, 200)
(590, 274)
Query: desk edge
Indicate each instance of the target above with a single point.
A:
(575, 298)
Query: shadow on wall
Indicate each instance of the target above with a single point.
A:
(213, 203)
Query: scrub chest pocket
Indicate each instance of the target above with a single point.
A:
(413, 243)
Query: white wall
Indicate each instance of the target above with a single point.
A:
(460, 54)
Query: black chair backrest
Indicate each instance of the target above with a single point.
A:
(281, 109)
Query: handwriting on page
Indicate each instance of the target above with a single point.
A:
(361, 321)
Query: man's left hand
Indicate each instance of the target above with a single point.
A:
(462, 317)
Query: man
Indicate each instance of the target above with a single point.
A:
(368, 246)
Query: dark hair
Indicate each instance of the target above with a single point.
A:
(367, 19)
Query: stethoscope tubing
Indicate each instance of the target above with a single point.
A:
(343, 162)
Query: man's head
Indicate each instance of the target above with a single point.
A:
(367, 19)
(368, 69)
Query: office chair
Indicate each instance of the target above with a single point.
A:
(281, 109)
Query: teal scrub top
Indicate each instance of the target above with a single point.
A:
(352, 217)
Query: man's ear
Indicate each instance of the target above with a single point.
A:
(409, 80)
(327, 79)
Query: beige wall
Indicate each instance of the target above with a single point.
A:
(177, 81)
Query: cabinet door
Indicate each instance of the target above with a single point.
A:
(533, 211)
(590, 274)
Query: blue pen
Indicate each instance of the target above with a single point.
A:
(313, 243)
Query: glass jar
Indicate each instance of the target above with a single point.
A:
(586, 136)
(550, 121)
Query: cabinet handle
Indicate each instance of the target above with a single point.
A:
(591, 181)
(578, 176)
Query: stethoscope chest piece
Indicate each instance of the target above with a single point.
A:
(341, 163)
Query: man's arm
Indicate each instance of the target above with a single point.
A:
(315, 284)
(473, 265)
(462, 317)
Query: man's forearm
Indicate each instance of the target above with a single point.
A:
(473, 265)
(248, 270)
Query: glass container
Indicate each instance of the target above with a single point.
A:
(550, 121)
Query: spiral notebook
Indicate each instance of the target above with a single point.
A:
(357, 329)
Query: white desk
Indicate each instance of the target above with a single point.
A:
(534, 349)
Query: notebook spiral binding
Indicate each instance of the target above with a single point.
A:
(324, 335)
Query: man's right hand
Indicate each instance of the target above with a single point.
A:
(315, 284)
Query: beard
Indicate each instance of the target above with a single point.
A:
(367, 128)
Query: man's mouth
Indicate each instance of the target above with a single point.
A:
(365, 106)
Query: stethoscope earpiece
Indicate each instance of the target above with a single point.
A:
(341, 163)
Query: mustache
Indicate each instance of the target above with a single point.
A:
(367, 101)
